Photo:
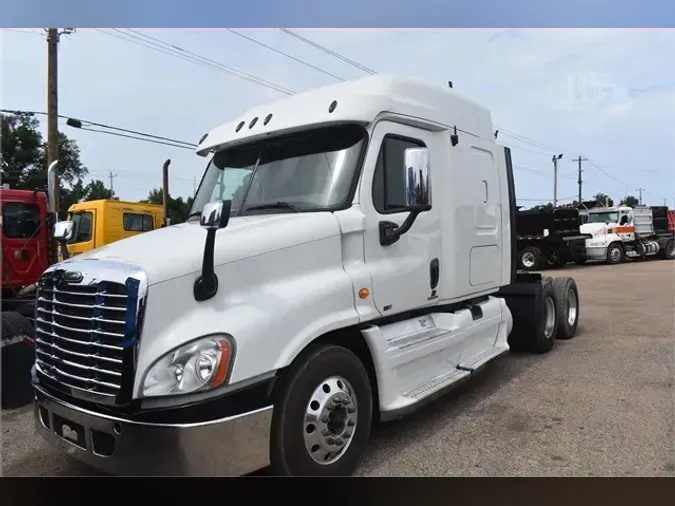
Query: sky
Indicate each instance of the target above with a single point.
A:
(608, 95)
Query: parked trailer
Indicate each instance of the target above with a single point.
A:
(334, 289)
(550, 238)
(623, 232)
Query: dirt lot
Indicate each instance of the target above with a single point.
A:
(602, 404)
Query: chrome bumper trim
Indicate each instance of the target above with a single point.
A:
(231, 446)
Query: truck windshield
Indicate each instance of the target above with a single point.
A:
(307, 171)
(608, 217)
(20, 220)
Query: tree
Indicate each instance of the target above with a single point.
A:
(24, 157)
(603, 199)
(178, 209)
(95, 190)
(629, 201)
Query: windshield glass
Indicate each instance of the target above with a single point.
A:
(608, 217)
(308, 171)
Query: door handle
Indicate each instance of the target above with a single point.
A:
(434, 273)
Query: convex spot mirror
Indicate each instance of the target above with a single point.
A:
(216, 215)
(63, 231)
(417, 178)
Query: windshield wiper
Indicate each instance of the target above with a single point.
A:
(273, 205)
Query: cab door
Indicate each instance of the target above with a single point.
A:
(405, 274)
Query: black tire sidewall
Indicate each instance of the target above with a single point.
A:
(562, 286)
(288, 453)
(542, 344)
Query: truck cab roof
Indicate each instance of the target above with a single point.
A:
(359, 101)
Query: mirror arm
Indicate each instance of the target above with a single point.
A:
(64, 249)
(206, 285)
(390, 232)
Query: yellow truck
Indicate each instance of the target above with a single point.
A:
(100, 222)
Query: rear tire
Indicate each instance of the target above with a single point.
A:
(530, 258)
(322, 414)
(668, 252)
(567, 305)
(615, 253)
(546, 331)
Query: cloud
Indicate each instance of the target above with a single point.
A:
(607, 94)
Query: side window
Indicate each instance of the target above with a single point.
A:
(19, 220)
(389, 177)
(82, 225)
(133, 222)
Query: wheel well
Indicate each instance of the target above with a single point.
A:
(350, 338)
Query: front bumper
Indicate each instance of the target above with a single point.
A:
(230, 446)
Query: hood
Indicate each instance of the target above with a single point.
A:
(177, 250)
(592, 228)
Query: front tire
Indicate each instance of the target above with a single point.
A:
(615, 253)
(322, 415)
(530, 258)
(567, 305)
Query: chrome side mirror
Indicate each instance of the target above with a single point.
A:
(417, 178)
(417, 194)
(216, 215)
(63, 231)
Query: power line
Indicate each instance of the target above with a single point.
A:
(299, 60)
(164, 47)
(84, 124)
(328, 51)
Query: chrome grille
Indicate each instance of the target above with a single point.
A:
(80, 332)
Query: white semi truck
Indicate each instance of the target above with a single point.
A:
(350, 257)
(624, 232)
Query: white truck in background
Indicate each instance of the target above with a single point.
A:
(624, 232)
(350, 257)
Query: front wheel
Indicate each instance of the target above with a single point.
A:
(530, 258)
(614, 253)
(322, 415)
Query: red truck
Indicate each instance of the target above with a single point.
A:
(27, 250)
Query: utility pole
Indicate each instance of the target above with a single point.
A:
(640, 190)
(52, 107)
(165, 190)
(112, 189)
(555, 178)
(53, 35)
(580, 159)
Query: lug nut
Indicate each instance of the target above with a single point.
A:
(351, 423)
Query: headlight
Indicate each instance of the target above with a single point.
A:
(200, 365)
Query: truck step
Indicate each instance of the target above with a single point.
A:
(475, 363)
(436, 384)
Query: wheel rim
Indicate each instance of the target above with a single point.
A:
(615, 254)
(549, 315)
(528, 259)
(330, 420)
(572, 308)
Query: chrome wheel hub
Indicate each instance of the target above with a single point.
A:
(528, 260)
(330, 420)
(549, 317)
(572, 306)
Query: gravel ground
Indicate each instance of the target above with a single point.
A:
(602, 404)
